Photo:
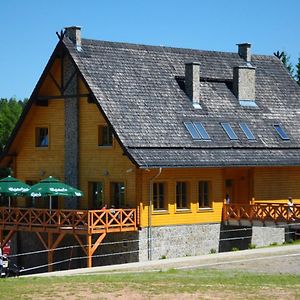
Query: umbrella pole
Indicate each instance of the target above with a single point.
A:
(9, 203)
(50, 204)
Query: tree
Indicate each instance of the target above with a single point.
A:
(10, 111)
(285, 59)
(297, 75)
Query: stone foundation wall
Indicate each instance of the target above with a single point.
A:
(265, 236)
(179, 241)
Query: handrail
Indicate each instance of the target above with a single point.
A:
(90, 221)
(277, 212)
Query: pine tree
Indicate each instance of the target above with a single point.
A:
(297, 75)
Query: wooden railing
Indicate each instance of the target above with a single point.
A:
(262, 211)
(56, 220)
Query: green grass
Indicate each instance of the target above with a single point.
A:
(232, 284)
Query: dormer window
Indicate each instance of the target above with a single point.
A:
(105, 136)
(41, 137)
(281, 132)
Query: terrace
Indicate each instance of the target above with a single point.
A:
(57, 223)
(260, 213)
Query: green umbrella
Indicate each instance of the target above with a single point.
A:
(50, 187)
(11, 186)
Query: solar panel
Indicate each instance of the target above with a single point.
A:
(203, 133)
(228, 129)
(281, 132)
(192, 130)
(247, 131)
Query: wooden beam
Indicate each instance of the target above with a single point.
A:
(69, 81)
(98, 242)
(7, 238)
(89, 250)
(41, 239)
(44, 98)
(55, 82)
(81, 243)
(50, 252)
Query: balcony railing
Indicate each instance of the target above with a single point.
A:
(61, 220)
(262, 211)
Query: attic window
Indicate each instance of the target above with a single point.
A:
(247, 131)
(105, 136)
(41, 137)
(197, 131)
(230, 132)
(281, 132)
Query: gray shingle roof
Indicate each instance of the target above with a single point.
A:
(137, 90)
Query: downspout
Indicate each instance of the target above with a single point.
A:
(150, 214)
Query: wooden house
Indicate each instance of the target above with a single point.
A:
(167, 134)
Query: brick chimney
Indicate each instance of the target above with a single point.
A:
(74, 34)
(192, 82)
(244, 78)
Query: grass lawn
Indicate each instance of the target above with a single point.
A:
(171, 284)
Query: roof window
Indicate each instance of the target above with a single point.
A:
(230, 132)
(281, 132)
(247, 131)
(197, 130)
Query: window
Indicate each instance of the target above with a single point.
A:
(96, 195)
(281, 132)
(228, 129)
(247, 131)
(192, 130)
(204, 194)
(159, 195)
(41, 137)
(181, 195)
(197, 130)
(105, 136)
(202, 131)
(117, 194)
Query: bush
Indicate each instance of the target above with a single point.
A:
(251, 246)
(235, 249)
(212, 251)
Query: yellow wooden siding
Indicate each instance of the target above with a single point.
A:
(277, 184)
(102, 164)
(194, 214)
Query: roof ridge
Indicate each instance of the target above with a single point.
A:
(158, 47)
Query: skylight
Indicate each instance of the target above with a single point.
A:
(281, 132)
(247, 131)
(200, 128)
(192, 130)
(228, 129)
(197, 130)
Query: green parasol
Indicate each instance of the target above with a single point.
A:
(50, 187)
(11, 186)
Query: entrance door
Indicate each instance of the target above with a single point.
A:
(237, 185)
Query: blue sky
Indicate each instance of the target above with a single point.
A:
(27, 31)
